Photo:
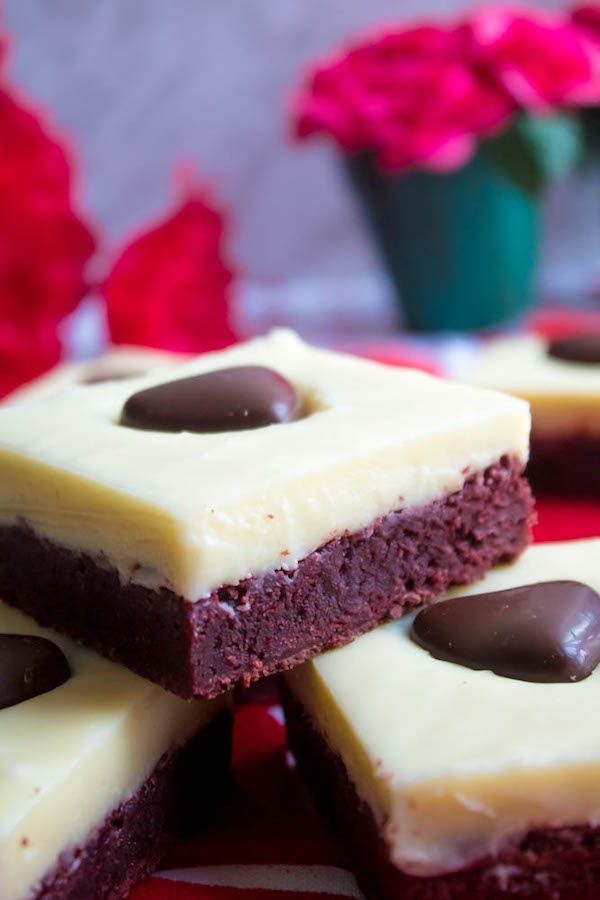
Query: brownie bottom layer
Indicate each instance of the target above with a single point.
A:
(565, 466)
(271, 622)
(183, 788)
(550, 864)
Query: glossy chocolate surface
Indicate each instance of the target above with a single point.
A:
(546, 632)
(233, 399)
(29, 666)
(577, 348)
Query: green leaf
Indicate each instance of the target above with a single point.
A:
(536, 150)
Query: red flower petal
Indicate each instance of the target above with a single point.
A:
(539, 56)
(44, 245)
(169, 287)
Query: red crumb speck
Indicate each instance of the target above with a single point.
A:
(400, 499)
(212, 510)
(270, 516)
(36, 790)
(285, 553)
(465, 470)
(24, 842)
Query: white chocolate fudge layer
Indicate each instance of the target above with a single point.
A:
(453, 762)
(196, 511)
(564, 396)
(70, 756)
(118, 362)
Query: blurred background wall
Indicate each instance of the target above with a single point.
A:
(142, 83)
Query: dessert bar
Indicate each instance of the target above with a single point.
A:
(252, 507)
(100, 770)
(560, 379)
(458, 752)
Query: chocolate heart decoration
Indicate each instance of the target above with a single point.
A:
(547, 632)
(232, 399)
(577, 348)
(29, 666)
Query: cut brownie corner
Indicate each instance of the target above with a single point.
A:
(174, 801)
(544, 864)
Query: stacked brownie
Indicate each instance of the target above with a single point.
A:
(100, 770)
(219, 520)
(458, 751)
(560, 379)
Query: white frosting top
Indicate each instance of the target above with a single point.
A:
(118, 361)
(195, 511)
(564, 396)
(455, 761)
(70, 756)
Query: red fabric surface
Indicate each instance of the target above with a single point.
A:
(271, 821)
(558, 322)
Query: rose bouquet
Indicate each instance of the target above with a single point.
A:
(449, 132)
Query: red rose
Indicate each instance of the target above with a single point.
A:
(587, 19)
(425, 95)
(538, 56)
(412, 96)
(169, 287)
(44, 245)
(587, 16)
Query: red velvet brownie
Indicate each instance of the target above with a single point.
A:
(256, 507)
(100, 770)
(457, 752)
(561, 381)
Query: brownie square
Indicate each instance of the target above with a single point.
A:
(206, 560)
(100, 770)
(564, 396)
(450, 782)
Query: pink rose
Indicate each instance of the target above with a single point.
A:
(425, 95)
(587, 17)
(412, 96)
(538, 56)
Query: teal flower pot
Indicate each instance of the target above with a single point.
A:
(460, 247)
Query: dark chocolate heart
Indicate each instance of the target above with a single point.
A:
(29, 666)
(546, 632)
(233, 399)
(577, 348)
